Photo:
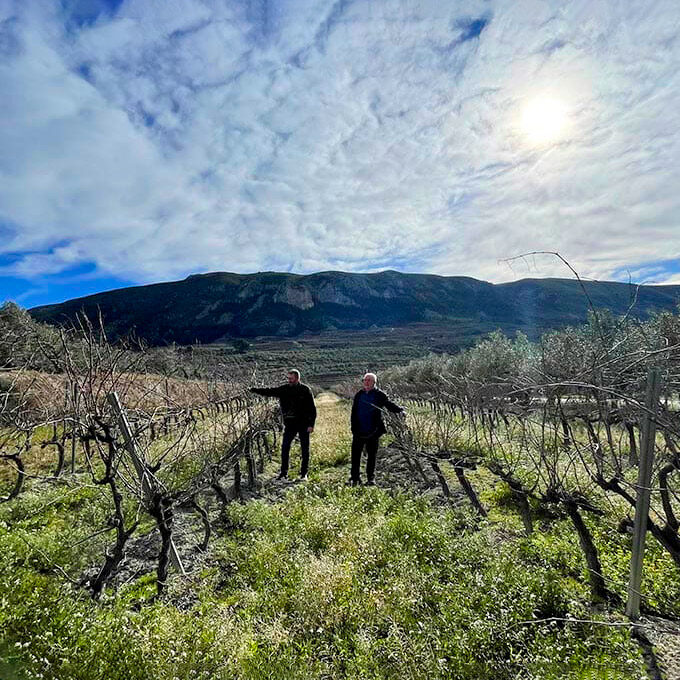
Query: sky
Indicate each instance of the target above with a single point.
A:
(147, 140)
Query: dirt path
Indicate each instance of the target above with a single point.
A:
(330, 458)
(327, 399)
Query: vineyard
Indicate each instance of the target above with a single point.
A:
(142, 533)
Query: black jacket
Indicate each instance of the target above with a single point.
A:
(297, 402)
(382, 401)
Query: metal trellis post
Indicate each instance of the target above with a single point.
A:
(647, 439)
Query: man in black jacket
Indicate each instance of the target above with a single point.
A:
(368, 426)
(299, 415)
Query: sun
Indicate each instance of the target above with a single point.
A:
(544, 120)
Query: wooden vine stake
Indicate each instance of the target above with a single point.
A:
(140, 467)
(647, 439)
(74, 432)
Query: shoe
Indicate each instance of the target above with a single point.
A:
(370, 482)
(354, 482)
(282, 475)
(303, 478)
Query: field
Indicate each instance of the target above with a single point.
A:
(334, 357)
(320, 580)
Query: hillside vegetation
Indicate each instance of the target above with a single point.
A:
(208, 308)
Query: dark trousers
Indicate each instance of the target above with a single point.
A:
(292, 429)
(371, 444)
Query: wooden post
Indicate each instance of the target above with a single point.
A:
(647, 439)
(140, 467)
(74, 433)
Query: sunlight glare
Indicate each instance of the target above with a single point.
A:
(544, 120)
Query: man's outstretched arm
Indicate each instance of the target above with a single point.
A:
(391, 406)
(266, 391)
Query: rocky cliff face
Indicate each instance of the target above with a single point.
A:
(210, 307)
(295, 296)
(307, 294)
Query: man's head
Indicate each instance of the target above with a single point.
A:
(293, 376)
(369, 381)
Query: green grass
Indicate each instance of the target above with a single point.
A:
(329, 583)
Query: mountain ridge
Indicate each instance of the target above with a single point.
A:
(216, 306)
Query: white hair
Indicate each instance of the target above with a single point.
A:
(371, 375)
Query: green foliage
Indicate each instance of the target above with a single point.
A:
(494, 360)
(606, 351)
(499, 359)
(23, 340)
(330, 582)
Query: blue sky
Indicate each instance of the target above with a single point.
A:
(146, 140)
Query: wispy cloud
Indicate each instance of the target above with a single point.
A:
(660, 271)
(158, 138)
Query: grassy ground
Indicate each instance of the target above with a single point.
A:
(319, 580)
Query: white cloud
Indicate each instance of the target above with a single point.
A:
(668, 281)
(184, 136)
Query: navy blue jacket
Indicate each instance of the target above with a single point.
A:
(381, 402)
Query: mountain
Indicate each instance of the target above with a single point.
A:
(214, 307)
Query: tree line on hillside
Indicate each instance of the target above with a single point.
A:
(608, 352)
(29, 344)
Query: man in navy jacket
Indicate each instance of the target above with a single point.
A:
(367, 426)
(299, 415)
